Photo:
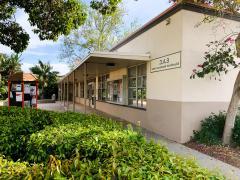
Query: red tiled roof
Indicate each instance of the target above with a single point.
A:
(21, 76)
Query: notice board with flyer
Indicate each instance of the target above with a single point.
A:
(22, 90)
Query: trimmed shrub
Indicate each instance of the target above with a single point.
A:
(16, 126)
(77, 146)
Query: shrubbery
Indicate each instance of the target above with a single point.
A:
(212, 127)
(70, 145)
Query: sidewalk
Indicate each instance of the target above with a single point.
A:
(206, 161)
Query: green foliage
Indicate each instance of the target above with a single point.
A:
(212, 127)
(105, 7)
(50, 19)
(8, 66)
(16, 126)
(220, 58)
(236, 132)
(47, 78)
(77, 146)
(99, 33)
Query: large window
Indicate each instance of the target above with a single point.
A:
(114, 91)
(76, 89)
(102, 87)
(137, 78)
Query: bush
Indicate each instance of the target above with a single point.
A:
(212, 128)
(16, 126)
(77, 146)
(236, 132)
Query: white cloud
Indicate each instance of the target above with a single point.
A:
(34, 42)
(60, 67)
(5, 49)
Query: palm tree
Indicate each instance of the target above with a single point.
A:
(9, 65)
(44, 73)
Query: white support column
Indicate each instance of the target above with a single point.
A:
(68, 93)
(74, 93)
(85, 88)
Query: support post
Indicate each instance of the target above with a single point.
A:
(68, 93)
(36, 94)
(22, 95)
(85, 88)
(74, 93)
(64, 93)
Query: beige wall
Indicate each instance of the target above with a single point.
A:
(130, 114)
(194, 46)
(200, 97)
(159, 41)
(115, 75)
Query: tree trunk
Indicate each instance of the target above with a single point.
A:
(43, 91)
(232, 112)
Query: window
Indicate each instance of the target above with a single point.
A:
(76, 90)
(137, 83)
(102, 87)
(115, 91)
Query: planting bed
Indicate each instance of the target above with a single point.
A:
(49, 145)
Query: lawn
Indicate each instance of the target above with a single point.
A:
(50, 145)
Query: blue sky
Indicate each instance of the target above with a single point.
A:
(48, 51)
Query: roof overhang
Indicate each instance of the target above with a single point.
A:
(104, 62)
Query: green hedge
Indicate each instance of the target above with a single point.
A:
(16, 126)
(212, 127)
(72, 145)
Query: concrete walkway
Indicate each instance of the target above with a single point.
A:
(206, 161)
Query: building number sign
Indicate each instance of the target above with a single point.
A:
(171, 61)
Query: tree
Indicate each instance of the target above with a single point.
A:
(222, 56)
(9, 65)
(50, 19)
(98, 33)
(45, 75)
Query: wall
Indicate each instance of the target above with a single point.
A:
(164, 88)
(130, 114)
(200, 97)
(115, 75)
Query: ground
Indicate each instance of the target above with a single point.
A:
(204, 160)
(226, 154)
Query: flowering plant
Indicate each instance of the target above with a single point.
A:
(219, 58)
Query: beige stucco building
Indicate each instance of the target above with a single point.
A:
(146, 77)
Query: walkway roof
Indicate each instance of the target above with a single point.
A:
(104, 62)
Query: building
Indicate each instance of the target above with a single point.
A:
(146, 77)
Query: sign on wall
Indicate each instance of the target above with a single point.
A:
(171, 61)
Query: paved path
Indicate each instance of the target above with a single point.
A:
(206, 161)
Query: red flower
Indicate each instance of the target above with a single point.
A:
(230, 40)
(200, 65)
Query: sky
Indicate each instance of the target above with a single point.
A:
(48, 51)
